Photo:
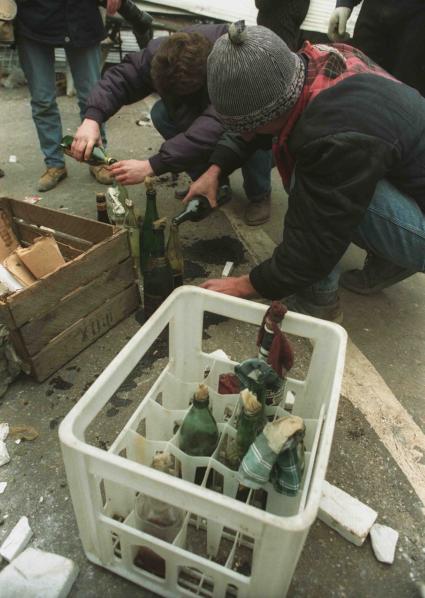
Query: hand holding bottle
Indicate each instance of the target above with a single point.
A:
(206, 185)
(237, 286)
(131, 172)
(86, 137)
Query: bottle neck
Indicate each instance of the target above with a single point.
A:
(200, 403)
(186, 214)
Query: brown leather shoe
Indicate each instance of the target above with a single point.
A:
(258, 212)
(51, 178)
(102, 175)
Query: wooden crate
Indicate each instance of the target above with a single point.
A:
(63, 313)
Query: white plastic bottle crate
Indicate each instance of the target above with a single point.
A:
(225, 547)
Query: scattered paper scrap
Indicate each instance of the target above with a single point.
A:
(23, 433)
(4, 455)
(32, 198)
(289, 401)
(346, 514)
(13, 158)
(36, 573)
(2, 487)
(17, 540)
(384, 541)
(228, 267)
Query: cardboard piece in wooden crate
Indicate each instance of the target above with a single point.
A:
(42, 257)
(18, 269)
(64, 312)
(8, 241)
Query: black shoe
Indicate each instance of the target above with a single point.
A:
(377, 274)
(323, 305)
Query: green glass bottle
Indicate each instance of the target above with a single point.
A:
(199, 431)
(131, 225)
(199, 207)
(175, 256)
(250, 424)
(98, 156)
(146, 231)
(157, 275)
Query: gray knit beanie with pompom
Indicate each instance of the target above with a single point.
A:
(253, 77)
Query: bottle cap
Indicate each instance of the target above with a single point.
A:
(250, 402)
(162, 462)
(202, 393)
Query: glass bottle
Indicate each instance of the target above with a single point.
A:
(199, 431)
(157, 275)
(102, 213)
(199, 207)
(130, 223)
(250, 424)
(154, 516)
(146, 231)
(115, 199)
(274, 348)
(175, 256)
(98, 156)
(117, 193)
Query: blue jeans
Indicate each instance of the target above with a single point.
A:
(38, 63)
(256, 170)
(392, 228)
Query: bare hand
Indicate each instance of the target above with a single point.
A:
(86, 137)
(131, 172)
(206, 185)
(112, 6)
(237, 286)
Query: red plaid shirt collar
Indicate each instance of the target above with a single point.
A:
(327, 65)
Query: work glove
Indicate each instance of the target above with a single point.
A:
(337, 27)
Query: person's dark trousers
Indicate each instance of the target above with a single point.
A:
(283, 17)
(256, 170)
(392, 33)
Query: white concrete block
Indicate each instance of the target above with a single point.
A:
(35, 574)
(345, 514)
(384, 541)
(16, 540)
(4, 455)
(4, 431)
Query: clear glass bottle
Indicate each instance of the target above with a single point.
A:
(131, 225)
(174, 254)
(199, 431)
(154, 516)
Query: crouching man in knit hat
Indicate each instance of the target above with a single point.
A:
(349, 143)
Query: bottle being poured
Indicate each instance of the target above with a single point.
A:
(199, 207)
(116, 195)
